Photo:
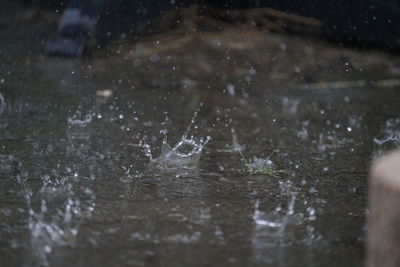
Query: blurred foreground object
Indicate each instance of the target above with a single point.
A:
(383, 245)
(76, 27)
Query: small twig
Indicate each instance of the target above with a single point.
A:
(286, 16)
(352, 84)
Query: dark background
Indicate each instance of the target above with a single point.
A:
(363, 23)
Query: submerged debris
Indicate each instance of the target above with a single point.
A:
(380, 83)
(129, 175)
(260, 166)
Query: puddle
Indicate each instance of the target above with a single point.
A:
(77, 187)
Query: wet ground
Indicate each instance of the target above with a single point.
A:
(77, 188)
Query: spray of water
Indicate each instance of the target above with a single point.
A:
(52, 226)
(236, 147)
(79, 119)
(281, 227)
(55, 211)
(185, 153)
(274, 223)
(2, 104)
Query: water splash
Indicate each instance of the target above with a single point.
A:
(79, 119)
(53, 226)
(185, 153)
(236, 147)
(390, 138)
(49, 232)
(287, 224)
(290, 105)
(2, 104)
(274, 224)
(7, 164)
(331, 141)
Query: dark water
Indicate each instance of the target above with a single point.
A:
(76, 187)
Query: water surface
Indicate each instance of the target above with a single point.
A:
(76, 186)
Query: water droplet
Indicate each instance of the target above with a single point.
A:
(154, 58)
(137, 62)
(47, 249)
(230, 89)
